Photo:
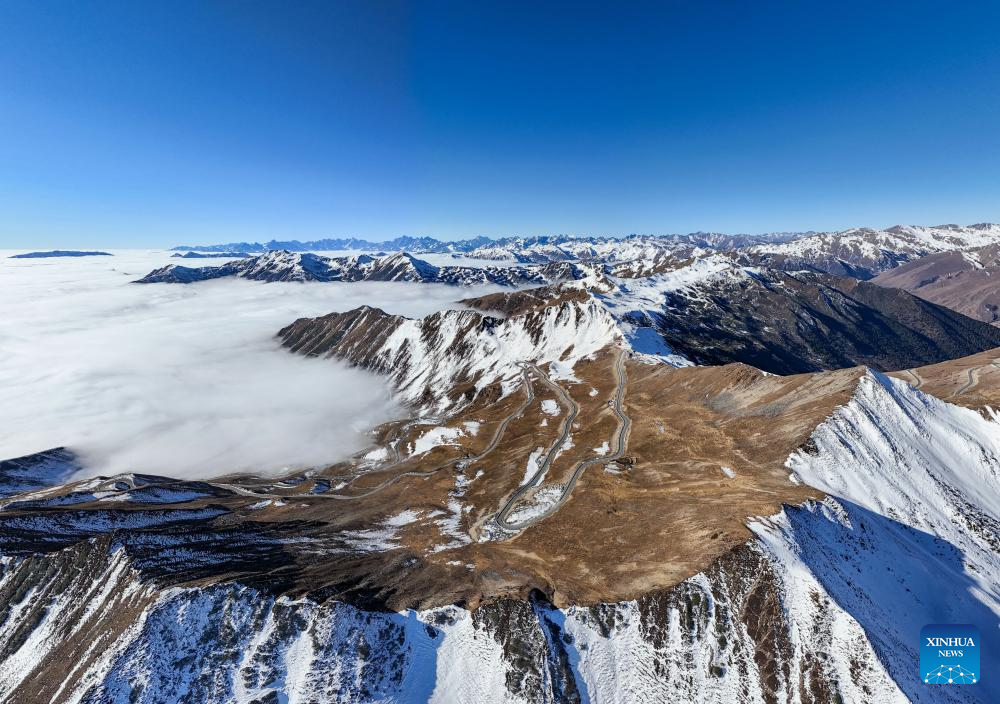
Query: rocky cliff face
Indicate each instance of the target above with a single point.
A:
(83, 626)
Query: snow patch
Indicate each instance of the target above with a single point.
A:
(532, 465)
(437, 437)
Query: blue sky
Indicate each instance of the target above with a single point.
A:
(148, 124)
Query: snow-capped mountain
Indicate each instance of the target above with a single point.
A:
(575, 509)
(398, 244)
(210, 255)
(865, 252)
(709, 311)
(544, 248)
(455, 354)
(858, 252)
(281, 265)
(547, 249)
(714, 311)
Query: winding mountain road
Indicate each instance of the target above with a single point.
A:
(915, 375)
(572, 410)
(973, 378)
(619, 441)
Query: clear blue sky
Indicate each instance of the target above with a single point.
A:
(141, 123)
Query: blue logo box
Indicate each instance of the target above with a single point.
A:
(949, 654)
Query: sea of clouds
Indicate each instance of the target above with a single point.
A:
(182, 380)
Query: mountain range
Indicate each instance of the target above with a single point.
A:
(667, 470)
(859, 252)
(504, 247)
(287, 266)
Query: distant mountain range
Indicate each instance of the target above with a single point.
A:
(59, 253)
(504, 247)
(861, 253)
(713, 312)
(211, 255)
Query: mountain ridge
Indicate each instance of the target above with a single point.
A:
(285, 266)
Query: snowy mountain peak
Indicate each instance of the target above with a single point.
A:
(456, 354)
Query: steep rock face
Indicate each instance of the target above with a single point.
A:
(864, 252)
(533, 300)
(713, 311)
(99, 634)
(455, 354)
(282, 265)
(966, 282)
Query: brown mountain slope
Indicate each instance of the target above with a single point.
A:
(705, 450)
(412, 520)
(968, 282)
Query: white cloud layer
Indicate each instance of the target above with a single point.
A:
(182, 380)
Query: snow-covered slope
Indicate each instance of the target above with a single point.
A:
(38, 471)
(102, 634)
(910, 534)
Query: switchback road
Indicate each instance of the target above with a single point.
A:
(619, 441)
